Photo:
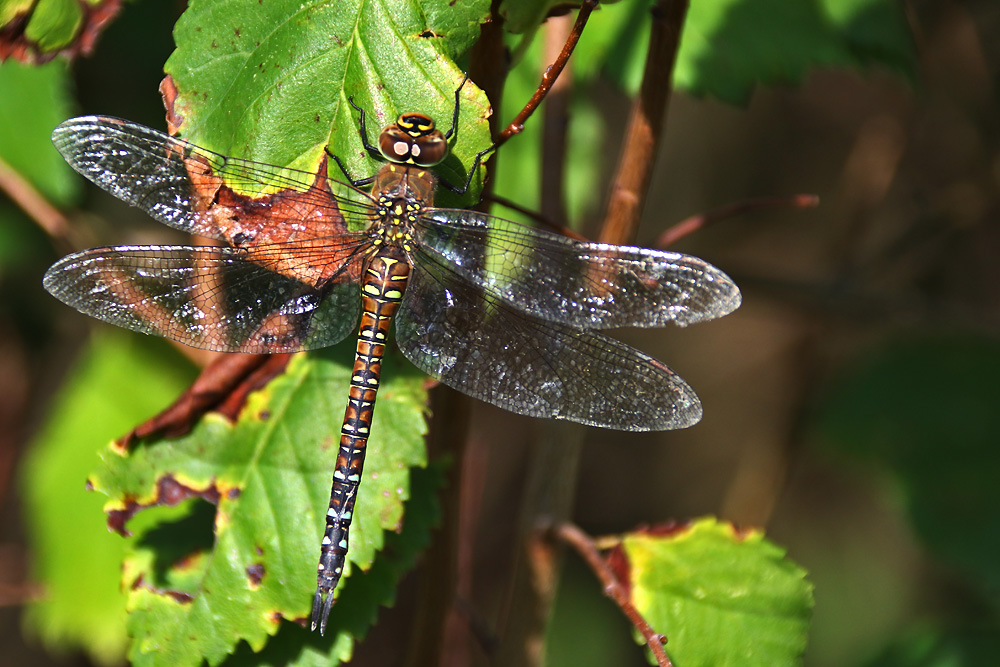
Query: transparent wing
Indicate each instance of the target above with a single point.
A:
(584, 285)
(486, 349)
(197, 191)
(205, 296)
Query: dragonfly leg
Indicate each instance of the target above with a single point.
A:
(382, 291)
(479, 156)
(356, 182)
(454, 116)
(468, 181)
(373, 150)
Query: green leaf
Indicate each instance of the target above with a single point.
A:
(730, 46)
(35, 31)
(35, 101)
(521, 16)
(614, 43)
(925, 407)
(11, 9)
(271, 81)
(51, 24)
(194, 596)
(721, 596)
(76, 559)
(54, 24)
(364, 593)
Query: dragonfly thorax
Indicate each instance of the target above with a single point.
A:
(413, 139)
(401, 194)
(400, 182)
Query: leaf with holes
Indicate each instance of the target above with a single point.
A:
(241, 555)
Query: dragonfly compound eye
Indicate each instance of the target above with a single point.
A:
(413, 146)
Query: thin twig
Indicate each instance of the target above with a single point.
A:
(696, 222)
(645, 128)
(584, 545)
(541, 220)
(48, 217)
(550, 75)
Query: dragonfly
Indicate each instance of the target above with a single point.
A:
(507, 313)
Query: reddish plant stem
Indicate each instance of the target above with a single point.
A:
(645, 128)
(583, 544)
(696, 222)
(537, 217)
(550, 75)
(555, 119)
(222, 386)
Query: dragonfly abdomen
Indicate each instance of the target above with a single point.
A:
(381, 293)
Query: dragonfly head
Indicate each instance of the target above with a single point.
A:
(413, 139)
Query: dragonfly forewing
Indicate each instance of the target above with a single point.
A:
(200, 192)
(580, 284)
